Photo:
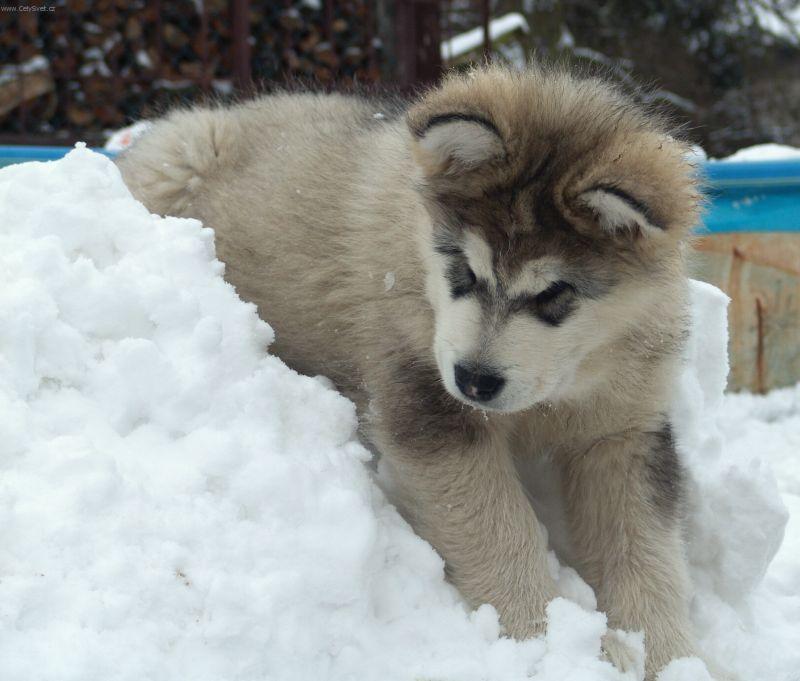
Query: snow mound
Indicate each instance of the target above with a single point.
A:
(736, 519)
(176, 503)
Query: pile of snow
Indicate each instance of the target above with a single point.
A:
(176, 503)
(737, 517)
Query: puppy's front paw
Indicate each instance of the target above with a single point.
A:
(625, 652)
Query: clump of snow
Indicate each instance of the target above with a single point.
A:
(468, 41)
(765, 152)
(736, 527)
(685, 669)
(782, 22)
(176, 503)
(755, 632)
(12, 72)
(124, 137)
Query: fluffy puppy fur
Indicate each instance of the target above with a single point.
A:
(494, 275)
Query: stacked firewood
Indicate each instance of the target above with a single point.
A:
(93, 65)
(309, 42)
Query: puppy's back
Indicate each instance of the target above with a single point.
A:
(309, 197)
(281, 138)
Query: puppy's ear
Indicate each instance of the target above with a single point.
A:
(618, 212)
(453, 143)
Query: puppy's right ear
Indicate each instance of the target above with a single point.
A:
(453, 143)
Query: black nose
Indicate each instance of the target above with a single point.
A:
(477, 386)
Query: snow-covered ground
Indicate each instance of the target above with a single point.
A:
(175, 503)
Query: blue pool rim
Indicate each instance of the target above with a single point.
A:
(753, 174)
(21, 154)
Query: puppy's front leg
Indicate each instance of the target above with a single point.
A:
(622, 498)
(457, 485)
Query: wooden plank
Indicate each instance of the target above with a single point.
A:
(761, 274)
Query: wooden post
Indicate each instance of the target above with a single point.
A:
(487, 38)
(205, 76)
(760, 382)
(419, 38)
(240, 29)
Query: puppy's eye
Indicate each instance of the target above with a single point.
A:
(553, 291)
(471, 278)
(552, 306)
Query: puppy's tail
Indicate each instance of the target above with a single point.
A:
(167, 168)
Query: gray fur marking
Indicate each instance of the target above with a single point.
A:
(665, 473)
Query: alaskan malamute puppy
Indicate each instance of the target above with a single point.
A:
(493, 274)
